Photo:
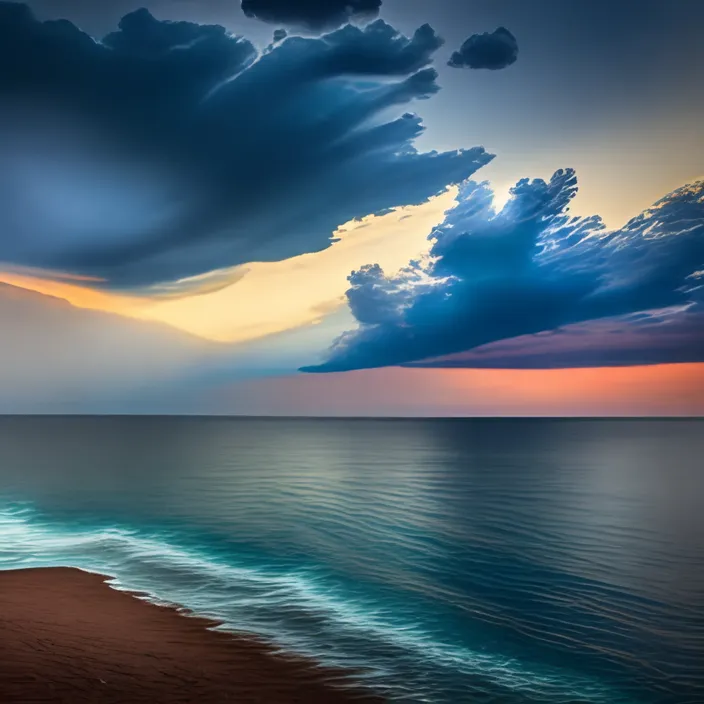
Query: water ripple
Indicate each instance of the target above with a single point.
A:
(451, 561)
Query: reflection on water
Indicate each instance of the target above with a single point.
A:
(452, 560)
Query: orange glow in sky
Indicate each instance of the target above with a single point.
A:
(658, 390)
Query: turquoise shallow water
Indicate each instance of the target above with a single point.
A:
(446, 560)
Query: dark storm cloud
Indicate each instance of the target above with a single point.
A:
(532, 268)
(169, 149)
(492, 50)
(311, 14)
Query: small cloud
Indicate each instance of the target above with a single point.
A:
(314, 15)
(491, 50)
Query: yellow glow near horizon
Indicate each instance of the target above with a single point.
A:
(75, 293)
(264, 298)
(278, 296)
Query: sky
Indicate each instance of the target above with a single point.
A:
(394, 208)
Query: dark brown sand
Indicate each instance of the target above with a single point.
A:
(65, 636)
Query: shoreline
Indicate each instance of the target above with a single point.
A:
(67, 636)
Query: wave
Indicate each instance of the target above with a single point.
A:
(299, 611)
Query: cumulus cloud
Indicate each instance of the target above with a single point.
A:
(311, 14)
(169, 149)
(492, 50)
(532, 268)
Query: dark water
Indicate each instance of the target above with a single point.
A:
(452, 561)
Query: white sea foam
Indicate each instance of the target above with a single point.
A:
(296, 611)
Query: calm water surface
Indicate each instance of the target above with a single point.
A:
(448, 560)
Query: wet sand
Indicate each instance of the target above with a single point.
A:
(66, 636)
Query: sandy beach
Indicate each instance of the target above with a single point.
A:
(66, 636)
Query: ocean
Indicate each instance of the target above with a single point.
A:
(444, 561)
